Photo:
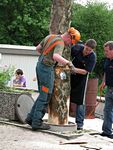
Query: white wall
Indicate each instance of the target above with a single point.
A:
(26, 63)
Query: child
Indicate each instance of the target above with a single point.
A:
(20, 80)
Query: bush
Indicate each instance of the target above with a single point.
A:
(6, 73)
(94, 20)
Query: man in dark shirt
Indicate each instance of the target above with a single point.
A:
(108, 81)
(84, 60)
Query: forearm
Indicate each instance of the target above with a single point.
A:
(80, 71)
(102, 85)
(103, 80)
(38, 49)
(17, 85)
(60, 59)
(64, 61)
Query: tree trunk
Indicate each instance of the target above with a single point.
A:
(59, 104)
(58, 111)
(60, 16)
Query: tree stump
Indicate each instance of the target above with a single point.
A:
(58, 110)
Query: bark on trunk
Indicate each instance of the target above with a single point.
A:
(60, 16)
(59, 105)
(58, 111)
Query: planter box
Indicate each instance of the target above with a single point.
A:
(90, 99)
(7, 104)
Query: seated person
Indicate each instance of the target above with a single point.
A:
(20, 80)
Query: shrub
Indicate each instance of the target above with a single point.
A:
(6, 73)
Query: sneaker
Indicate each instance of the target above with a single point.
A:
(79, 128)
(28, 121)
(106, 135)
(43, 126)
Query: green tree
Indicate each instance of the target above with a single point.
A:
(24, 22)
(94, 21)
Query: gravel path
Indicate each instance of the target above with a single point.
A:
(15, 138)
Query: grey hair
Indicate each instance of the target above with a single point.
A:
(109, 44)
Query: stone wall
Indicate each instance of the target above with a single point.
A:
(7, 105)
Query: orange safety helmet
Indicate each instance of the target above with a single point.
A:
(75, 35)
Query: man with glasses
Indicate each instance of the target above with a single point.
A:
(84, 60)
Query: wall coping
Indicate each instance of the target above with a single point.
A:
(8, 46)
(17, 49)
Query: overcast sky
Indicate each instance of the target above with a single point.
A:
(109, 2)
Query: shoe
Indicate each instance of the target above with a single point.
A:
(106, 135)
(79, 128)
(28, 121)
(43, 126)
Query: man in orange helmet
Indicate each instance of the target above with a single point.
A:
(75, 35)
(50, 50)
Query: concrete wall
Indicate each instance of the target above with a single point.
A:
(23, 57)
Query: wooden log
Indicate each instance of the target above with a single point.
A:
(58, 111)
(73, 142)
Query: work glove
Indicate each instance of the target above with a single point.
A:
(70, 65)
(72, 68)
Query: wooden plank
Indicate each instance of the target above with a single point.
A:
(73, 142)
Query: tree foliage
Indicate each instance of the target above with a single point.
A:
(94, 21)
(24, 22)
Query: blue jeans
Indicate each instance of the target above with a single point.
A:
(80, 114)
(108, 113)
(46, 81)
